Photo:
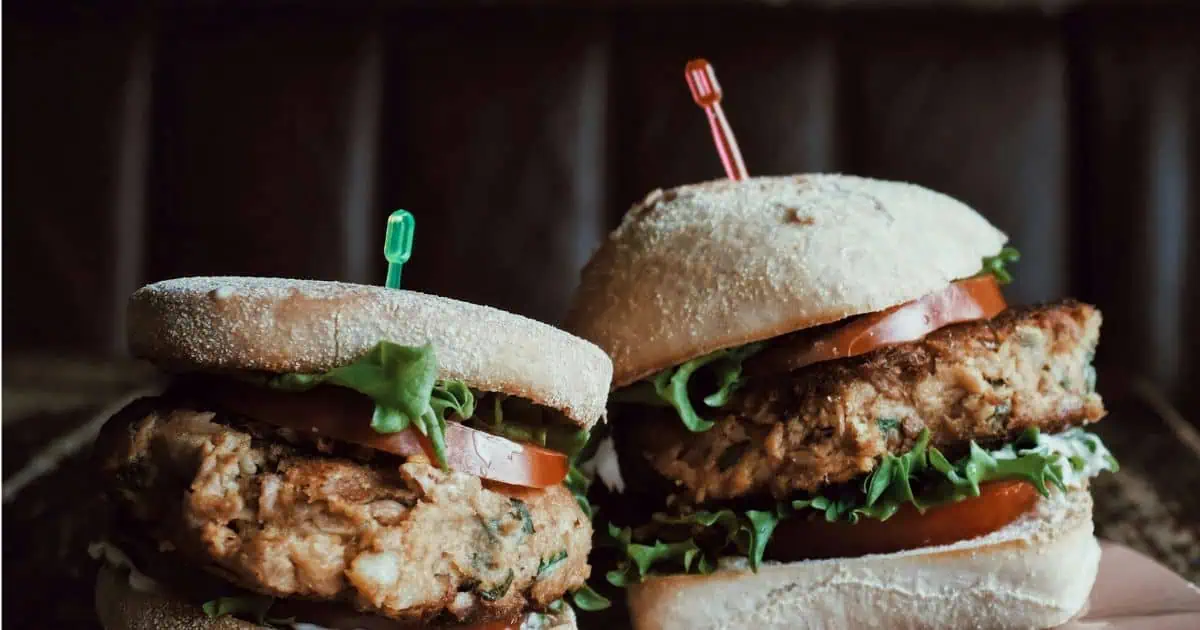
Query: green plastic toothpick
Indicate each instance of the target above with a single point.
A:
(397, 245)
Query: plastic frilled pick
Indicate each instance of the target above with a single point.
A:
(397, 245)
(707, 93)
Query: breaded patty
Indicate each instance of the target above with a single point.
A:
(398, 538)
(830, 422)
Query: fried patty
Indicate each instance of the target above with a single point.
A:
(402, 539)
(830, 422)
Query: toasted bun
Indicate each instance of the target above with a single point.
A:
(121, 607)
(708, 266)
(281, 325)
(1035, 573)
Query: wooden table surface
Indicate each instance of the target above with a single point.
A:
(52, 509)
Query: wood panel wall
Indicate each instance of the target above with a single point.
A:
(144, 142)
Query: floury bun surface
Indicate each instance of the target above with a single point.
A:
(283, 325)
(708, 266)
(121, 606)
(1035, 573)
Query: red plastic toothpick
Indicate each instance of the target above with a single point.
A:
(707, 94)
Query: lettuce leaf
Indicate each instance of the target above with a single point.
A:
(585, 598)
(402, 380)
(639, 558)
(578, 483)
(922, 477)
(251, 607)
(995, 265)
(521, 421)
(672, 386)
(399, 378)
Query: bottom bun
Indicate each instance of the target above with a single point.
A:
(123, 607)
(1035, 573)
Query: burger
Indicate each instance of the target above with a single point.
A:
(340, 456)
(825, 414)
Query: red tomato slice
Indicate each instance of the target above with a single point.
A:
(998, 504)
(345, 415)
(962, 301)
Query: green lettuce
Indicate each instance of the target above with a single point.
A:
(673, 387)
(521, 421)
(922, 477)
(585, 598)
(995, 265)
(578, 483)
(402, 380)
(252, 607)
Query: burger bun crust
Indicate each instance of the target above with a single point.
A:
(309, 326)
(1035, 573)
(121, 607)
(702, 267)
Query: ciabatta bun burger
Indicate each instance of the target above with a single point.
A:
(341, 456)
(831, 416)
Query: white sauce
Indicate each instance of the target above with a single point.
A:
(604, 464)
(548, 620)
(113, 556)
(1090, 455)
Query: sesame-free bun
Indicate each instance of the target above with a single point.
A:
(713, 265)
(1035, 573)
(122, 607)
(282, 325)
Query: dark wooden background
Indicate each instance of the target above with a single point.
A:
(145, 140)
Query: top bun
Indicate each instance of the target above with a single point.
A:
(282, 325)
(708, 266)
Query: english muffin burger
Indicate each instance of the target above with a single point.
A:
(341, 456)
(832, 416)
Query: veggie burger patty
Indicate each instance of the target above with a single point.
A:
(401, 538)
(829, 423)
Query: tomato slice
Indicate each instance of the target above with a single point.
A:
(345, 415)
(998, 504)
(962, 301)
